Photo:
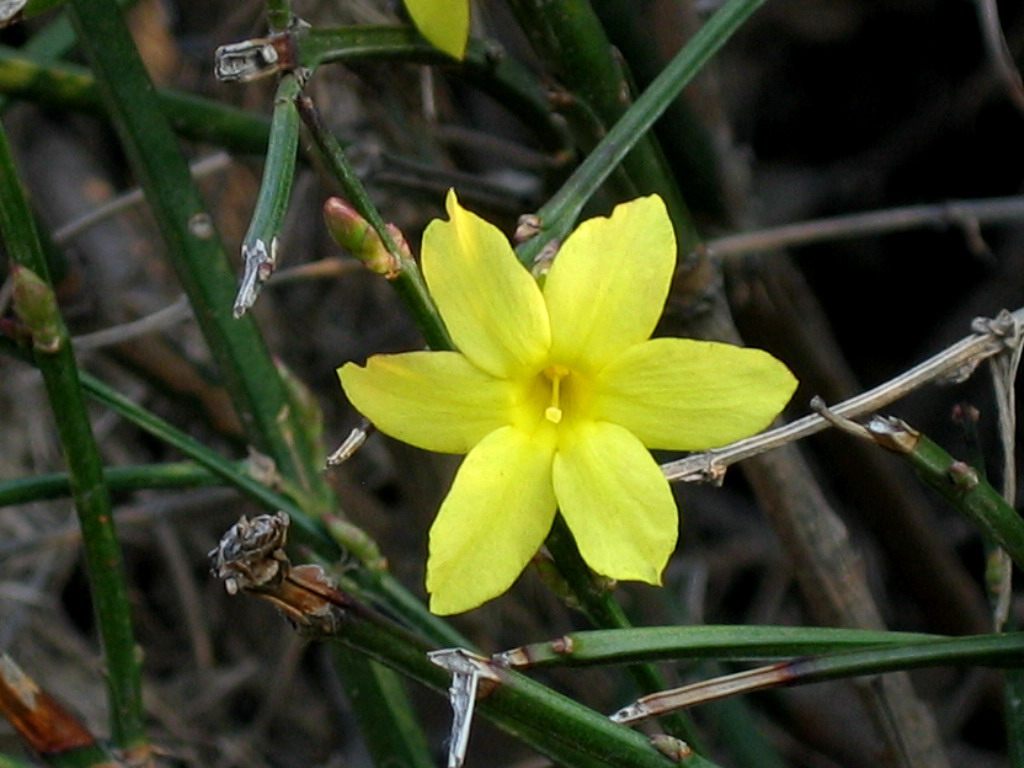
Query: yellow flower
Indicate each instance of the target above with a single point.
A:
(554, 394)
(445, 23)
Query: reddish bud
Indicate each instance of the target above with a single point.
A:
(354, 233)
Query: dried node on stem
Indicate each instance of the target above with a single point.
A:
(250, 557)
(251, 554)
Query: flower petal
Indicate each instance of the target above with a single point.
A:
(434, 400)
(683, 394)
(616, 501)
(492, 306)
(494, 519)
(445, 23)
(608, 285)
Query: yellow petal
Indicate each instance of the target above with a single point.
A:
(493, 308)
(616, 501)
(434, 400)
(494, 519)
(608, 284)
(445, 23)
(683, 394)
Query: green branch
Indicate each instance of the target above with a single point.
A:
(177, 475)
(960, 484)
(194, 248)
(722, 643)
(406, 279)
(36, 78)
(486, 67)
(560, 213)
(604, 611)
(259, 247)
(36, 307)
(568, 37)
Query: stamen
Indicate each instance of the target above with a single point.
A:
(556, 373)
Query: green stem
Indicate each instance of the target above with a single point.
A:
(373, 688)
(259, 247)
(53, 42)
(193, 245)
(486, 67)
(685, 131)
(279, 15)
(558, 215)
(722, 643)
(56, 362)
(1001, 650)
(525, 709)
(408, 282)
(279, 167)
(380, 586)
(959, 483)
(569, 38)
(604, 611)
(35, 78)
(183, 475)
(49, 44)
(1005, 649)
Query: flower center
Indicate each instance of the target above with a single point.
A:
(555, 374)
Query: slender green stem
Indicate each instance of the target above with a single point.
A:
(259, 247)
(685, 131)
(959, 483)
(380, 586)
(408, 282)
(527, 710)
(183, 474)
(90, 756)
(722, 643)
(56, 362)
(279, 15)
(1005, 649)
(603, 611)
(279, 167)
(35, 78)
(558, 215)
(486, 67)
(193, 245)
(1001, 650)
(49, 44)
(93, 756)
(53, 42)
(569, 38)
(373, 688)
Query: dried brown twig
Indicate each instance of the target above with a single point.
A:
(968, 215)
(956, 363)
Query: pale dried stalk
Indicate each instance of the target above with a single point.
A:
(968, 215)
(1004, 374)
(207, 166)
(955, 363)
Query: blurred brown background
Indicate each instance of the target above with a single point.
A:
(813, 110)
